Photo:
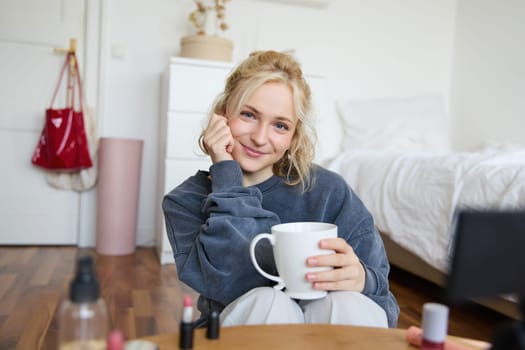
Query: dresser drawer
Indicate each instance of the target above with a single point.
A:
(194, 88)
(189, 89)
(179, 170)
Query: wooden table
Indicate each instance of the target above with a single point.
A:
(300, 337)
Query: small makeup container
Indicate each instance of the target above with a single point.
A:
(186, 325)
(140, 345)
(115, 340)
(435, 325)
(212, 330)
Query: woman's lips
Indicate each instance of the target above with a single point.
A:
(251, 152)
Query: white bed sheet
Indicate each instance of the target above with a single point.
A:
(413, 195)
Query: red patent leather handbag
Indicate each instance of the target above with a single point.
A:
(63, 143)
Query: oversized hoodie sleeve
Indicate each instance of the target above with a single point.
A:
(210, 232)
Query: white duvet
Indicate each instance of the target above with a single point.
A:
(413, 195)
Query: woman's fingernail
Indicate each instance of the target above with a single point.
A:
(312, 261)
(310, 277)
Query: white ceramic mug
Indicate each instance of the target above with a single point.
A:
(292, 244)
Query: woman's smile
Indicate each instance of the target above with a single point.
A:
(252, 152)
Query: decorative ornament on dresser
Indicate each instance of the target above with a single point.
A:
(209, 20)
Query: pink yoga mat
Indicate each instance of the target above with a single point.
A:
(119, 165)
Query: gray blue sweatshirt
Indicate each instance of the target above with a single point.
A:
(211, 219)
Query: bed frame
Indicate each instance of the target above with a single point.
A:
(402, 258)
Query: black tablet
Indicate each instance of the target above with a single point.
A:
(488, 255)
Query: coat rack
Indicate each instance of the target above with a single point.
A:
(72, 70)
(72, 50)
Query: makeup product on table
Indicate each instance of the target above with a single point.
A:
(115, 340)
(83, 318)
(186, 324)
(435, 325)
(212, 332)
(414, 337)
(140, 345)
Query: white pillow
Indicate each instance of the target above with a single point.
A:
(407, 123)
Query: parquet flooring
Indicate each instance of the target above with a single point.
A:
(144, 298)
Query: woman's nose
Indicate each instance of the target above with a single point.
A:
(260, 135)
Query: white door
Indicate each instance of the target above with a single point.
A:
(31, 212)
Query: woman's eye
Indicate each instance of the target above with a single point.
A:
(282, 126)
(248, 114)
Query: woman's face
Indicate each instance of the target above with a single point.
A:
(263, 131)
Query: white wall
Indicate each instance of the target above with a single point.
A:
(363, 48)
(488, 87)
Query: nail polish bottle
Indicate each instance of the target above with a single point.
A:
(115, 340)
(435, 324)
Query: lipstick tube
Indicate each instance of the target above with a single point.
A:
(186, 324)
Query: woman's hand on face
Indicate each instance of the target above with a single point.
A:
(347, 274)
(218, 139)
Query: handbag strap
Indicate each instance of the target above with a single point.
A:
(70, 57)
(79, 83)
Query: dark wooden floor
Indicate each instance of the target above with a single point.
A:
(145, 298)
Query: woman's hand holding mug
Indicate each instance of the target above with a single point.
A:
(293, 243)
(347, 274)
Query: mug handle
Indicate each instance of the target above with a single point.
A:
(271, 238)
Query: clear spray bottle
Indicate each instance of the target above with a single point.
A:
(83, 317)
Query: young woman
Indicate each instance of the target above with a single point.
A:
(261, 143)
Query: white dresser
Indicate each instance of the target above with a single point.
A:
(189, 87)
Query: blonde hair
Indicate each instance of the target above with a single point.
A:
(263, 67)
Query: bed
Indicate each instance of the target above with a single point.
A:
(395, 154)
